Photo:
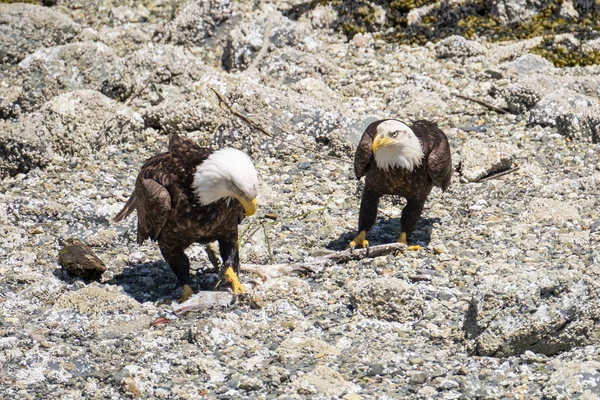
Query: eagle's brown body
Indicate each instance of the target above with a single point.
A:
(435, 170)
(169, 212)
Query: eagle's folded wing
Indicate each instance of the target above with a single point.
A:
(439, 164)
(154, 206)
(363, 155)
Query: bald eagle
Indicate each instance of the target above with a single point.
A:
(194, 195)
(400, 160)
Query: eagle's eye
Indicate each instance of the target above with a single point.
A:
(394, 134)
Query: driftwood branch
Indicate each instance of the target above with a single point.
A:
(485, 104)
(264, 132)
(369, 252)
(499, 174)
(272, 271)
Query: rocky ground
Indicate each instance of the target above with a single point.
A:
(501, 302)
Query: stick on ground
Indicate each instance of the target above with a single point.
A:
(485, 104)
(499, 174)
(370, 252)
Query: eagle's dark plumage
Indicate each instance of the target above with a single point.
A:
(193, 195)
(397, 159)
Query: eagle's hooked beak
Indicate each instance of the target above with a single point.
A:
(249, 205)
(381, 141)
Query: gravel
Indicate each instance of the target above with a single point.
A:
(500, 302)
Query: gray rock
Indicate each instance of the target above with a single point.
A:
(388, 299)
(480, 159)
(20, 151)
(528, 63)
(519, 99)
(579, 379)
(544, 312)
(270, 30)
(324, 381)
(80, 66)
(195, 22)
(575, 115)
(75, 123)
(458, 46)
(418, 101)
(567, 10)
(154, 73)
(123, 39)
(509, 11)
(544, 209)
(85, 121)
(301, 348)
(25, 28)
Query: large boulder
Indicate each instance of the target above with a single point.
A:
(195, 22)
(75, 123)
(480, 159)
(25, 28)
(85, 121)
(538, 310)
(575, 115)
(266, 33)
(85, 65)
(21, 149)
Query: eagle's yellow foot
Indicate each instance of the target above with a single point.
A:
(187, 293)
(402, 239)
(230, 277)
(359, 241)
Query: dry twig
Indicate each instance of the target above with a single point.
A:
(499, 174)
(369, 252)
(485, 104)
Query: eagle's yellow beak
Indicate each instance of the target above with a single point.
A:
(249, 205)
(381, 141)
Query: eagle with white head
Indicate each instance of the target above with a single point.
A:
(398, 159)
(192, 195)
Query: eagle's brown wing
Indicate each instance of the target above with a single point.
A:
(439, 159)
(364, 153)
(152, 198)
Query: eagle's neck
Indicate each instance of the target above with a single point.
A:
(407, 155)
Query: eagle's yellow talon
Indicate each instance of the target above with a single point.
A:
(359, 241)
(231, 278)
(187, 293)
(414, 248)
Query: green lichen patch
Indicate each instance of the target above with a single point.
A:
(565, 55)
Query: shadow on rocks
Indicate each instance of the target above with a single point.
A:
(387, 230)
(154, 281)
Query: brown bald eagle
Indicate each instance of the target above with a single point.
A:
(400, 160)
(192, 194)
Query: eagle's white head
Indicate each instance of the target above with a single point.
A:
(227, 173)
(396, 145)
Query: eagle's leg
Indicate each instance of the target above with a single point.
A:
(180, 265)
(410, 215)
(231, 265)
(366, 218)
